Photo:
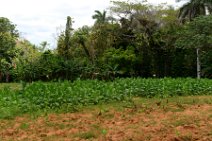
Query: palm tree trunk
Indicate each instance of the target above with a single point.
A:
(198, 52)
(206, 10)
(198, 64)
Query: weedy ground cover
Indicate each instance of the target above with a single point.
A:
(70, 96)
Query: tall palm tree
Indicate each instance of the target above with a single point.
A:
(67, 36)
(100, 17)
(190, 10)
(194, 8)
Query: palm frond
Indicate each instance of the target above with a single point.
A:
(194, 8)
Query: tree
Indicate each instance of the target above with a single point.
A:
(81, 37)
(8, 36)
(68, 35)
(207, 63)
(43, 46)
(6, 26)
(189, 11)
(26, 61)
(197, 34)
(63, 43)
(194, 8)
(100, 17)
(141, 26)
(119, 61)
(101, 33)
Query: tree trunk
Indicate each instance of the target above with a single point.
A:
(198, 64)
(198, 52)
(7, 77)
(207, 10)
(86, 51)
(1, 75)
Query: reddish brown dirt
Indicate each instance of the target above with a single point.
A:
(188, 123)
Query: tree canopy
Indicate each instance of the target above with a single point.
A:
(8, 36)
(130, 39)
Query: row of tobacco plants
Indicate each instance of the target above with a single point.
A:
(69, 96)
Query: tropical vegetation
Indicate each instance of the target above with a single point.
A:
(136, 39)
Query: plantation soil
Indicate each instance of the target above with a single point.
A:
(158, 123)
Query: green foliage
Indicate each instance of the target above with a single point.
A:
(70, 96)
(100, 17)
(46, 67)
(141, 40)
(194, 8)
(26, 61)
(196, 34)
(64, 42)
(6, 26)
(80, 37)
(61, 44)
(8, 36)
(207, 63)
(119, 61)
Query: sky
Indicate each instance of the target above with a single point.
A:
(42, 20)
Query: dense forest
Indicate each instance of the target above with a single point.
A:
(130, 39)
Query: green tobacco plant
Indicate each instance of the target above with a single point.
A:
(70, 96)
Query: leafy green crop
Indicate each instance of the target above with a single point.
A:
(40, 96)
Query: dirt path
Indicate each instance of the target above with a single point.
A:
(171, 123)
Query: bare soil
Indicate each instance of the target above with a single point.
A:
(172, 122)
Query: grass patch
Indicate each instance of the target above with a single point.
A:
(13, 86)
(9, 112)
(24, 126)
(86, 135)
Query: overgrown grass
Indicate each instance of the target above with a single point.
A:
(69, 96)
(13, 86)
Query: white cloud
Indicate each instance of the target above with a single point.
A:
(38, 19)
